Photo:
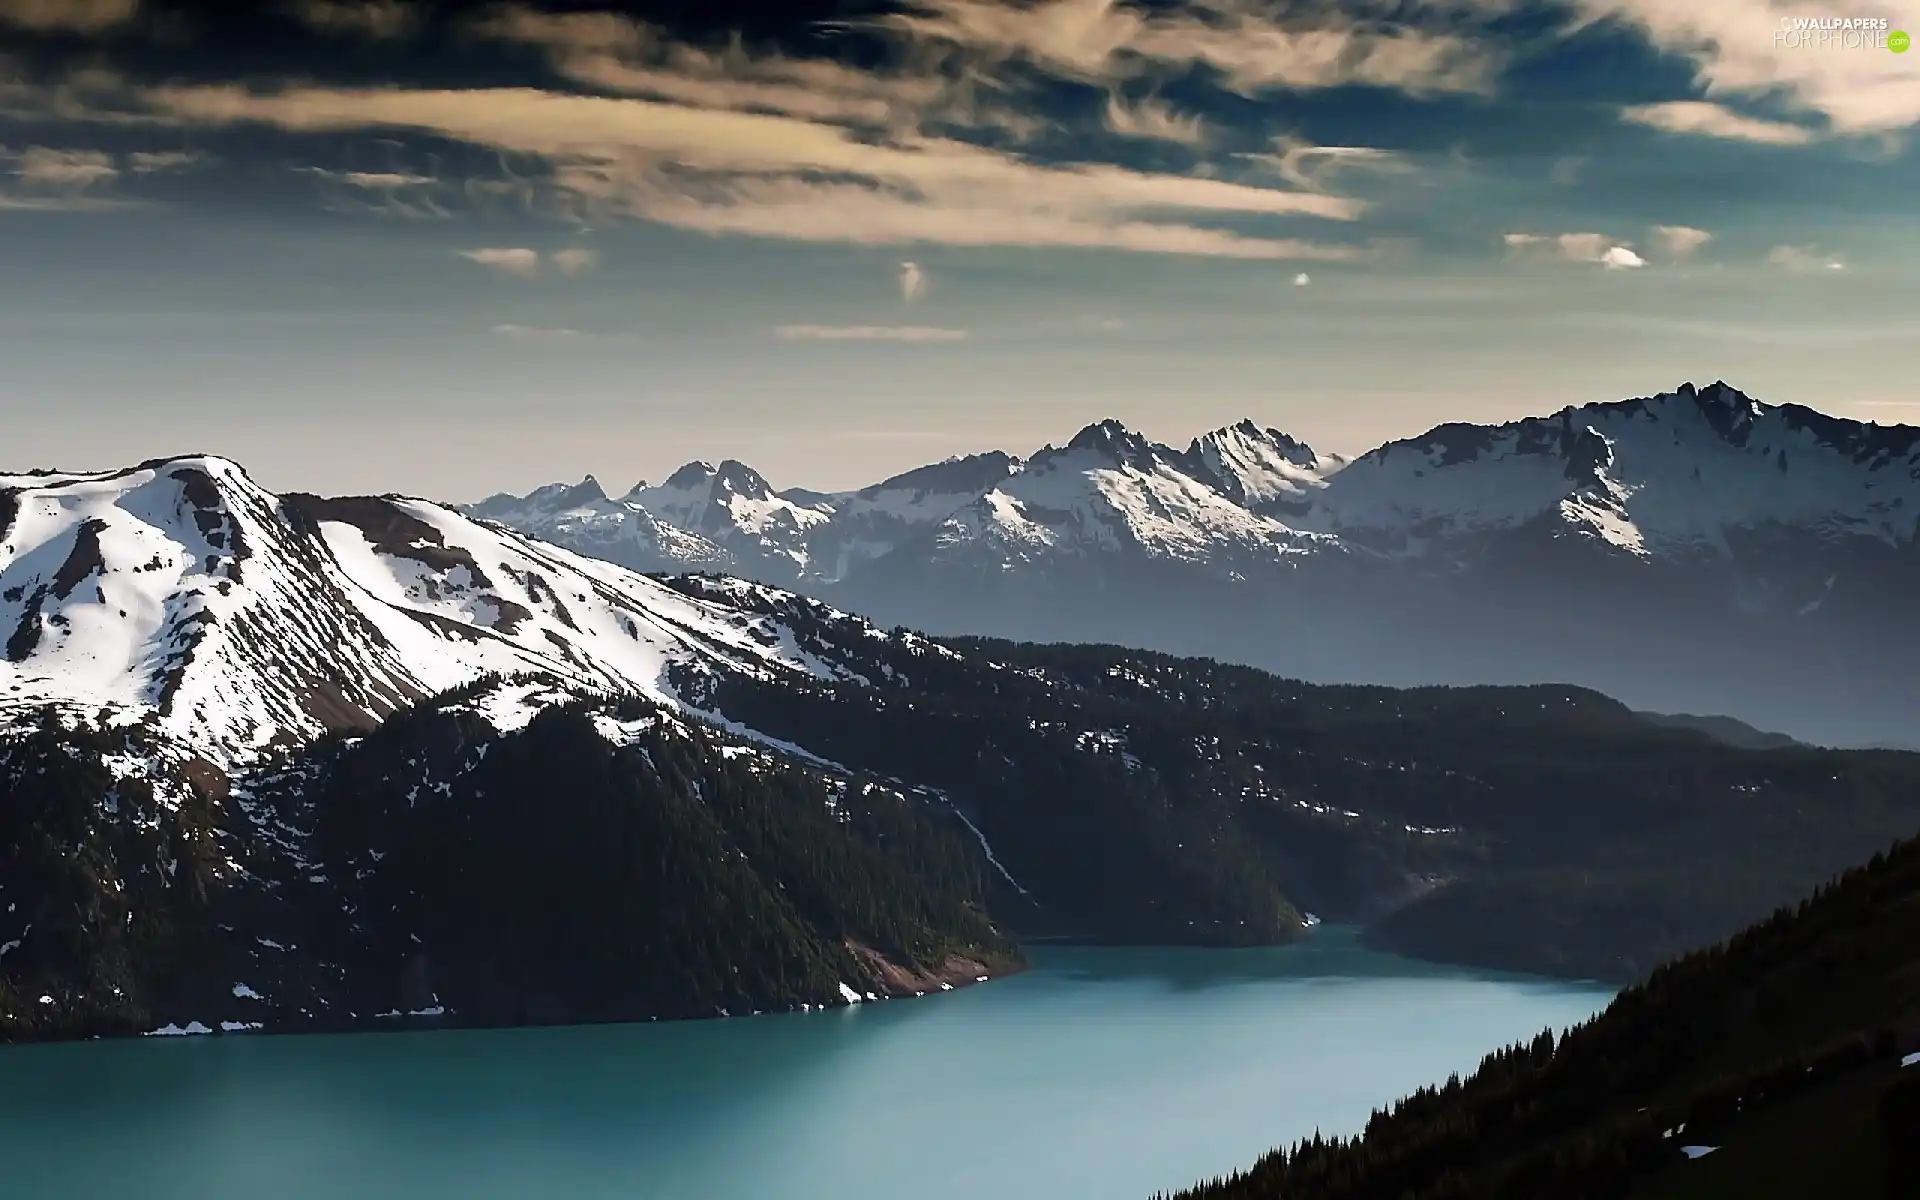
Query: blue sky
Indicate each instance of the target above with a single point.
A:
(460, 248)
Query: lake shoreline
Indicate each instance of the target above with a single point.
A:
(958, 974)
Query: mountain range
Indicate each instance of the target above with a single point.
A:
(304, 762)
(1693, 551)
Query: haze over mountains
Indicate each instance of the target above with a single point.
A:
(1693, 551)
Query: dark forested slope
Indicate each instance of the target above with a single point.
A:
(1778, 1052)
(1143, 797)
(619, 864)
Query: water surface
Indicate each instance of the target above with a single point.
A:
(1102, 1074)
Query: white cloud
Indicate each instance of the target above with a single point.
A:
(1804, 259)
(68, 16)
(1715, 120)
(1679, 241)
(508, 260)
(913, 281)
(1302, 279)
(382, 20)
(534, 333)
(1616, 258)
(575, 260)
(1153, 119)
(1734, 50)
(1596, 249)
(780, 177)
(868, 333)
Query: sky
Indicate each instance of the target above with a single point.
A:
(450, 249)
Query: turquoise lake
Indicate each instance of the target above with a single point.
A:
(1106, 1074)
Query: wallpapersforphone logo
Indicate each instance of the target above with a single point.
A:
(1840, 33)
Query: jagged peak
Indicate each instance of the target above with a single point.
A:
(959, 473)
(1119, 445)
(692, 475)
(1248, 430)
(742, 480)
(567, 495)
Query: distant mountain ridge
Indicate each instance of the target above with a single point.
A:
(1695, 551)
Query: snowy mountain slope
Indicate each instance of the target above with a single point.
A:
(181, 595)
(1673, 474)
(1264, 469)
(871, 522)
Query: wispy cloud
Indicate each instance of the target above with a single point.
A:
(525, 262)
(1312, 167)
(47, 167)
(868, 333)
(535, 333)
(1244, 43)
(1153, 119)
(68, 16)
(1805, 259)
(381, 20)
(508, 260)
(913, 281)
(1679, 241)
(780, 177)
(388, 193)
(575, 260)
(155, 162)
(1735, 52)
(615, 53)
(1715, 120)
(57, 179)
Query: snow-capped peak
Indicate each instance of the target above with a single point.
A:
(1263, 467)
(1679, 470)
(180, 594)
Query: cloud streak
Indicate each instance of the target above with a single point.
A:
(1241, 42)
(507, 260)
(68, 16)
(868, 333)
(535, 333)
(1804, 259)
(772, 176)
(1715, 120)
(379, 20)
